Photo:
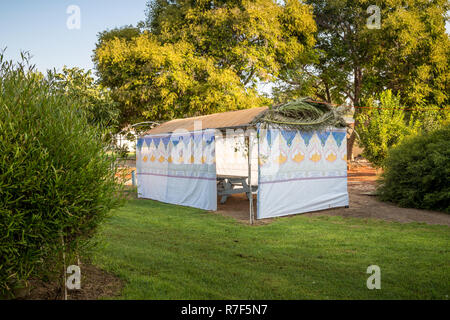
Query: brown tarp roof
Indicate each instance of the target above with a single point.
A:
(240, 118)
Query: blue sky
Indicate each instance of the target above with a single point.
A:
(39, 26)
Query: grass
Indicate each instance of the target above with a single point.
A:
(164, 251)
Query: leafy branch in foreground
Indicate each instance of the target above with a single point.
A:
(57, 180)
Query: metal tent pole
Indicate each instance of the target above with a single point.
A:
(249, 144)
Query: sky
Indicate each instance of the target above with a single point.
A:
(40, 27)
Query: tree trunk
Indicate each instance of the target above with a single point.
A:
(356, 96)
(350, 144)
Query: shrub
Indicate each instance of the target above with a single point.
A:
(417, 172)
(57, 181)
(383, 127)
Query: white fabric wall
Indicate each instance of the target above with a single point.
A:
(301, 171)
(178, 169)
(231, 154)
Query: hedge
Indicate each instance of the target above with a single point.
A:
(417, 172)
(57, 182)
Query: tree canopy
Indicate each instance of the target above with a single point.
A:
(409, 54)
(200, 57)
(95, 100)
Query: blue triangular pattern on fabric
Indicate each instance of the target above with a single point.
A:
(198, 138)
(289, 136)
(166, 141)
(176, 140)
(323, 136)
(269, 137)
(148, 141)
(186, 139)
(306, 136)
(156, 141)
(209, 139)
(139, 143)
(339, 137)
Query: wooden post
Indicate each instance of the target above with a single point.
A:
(249, 151)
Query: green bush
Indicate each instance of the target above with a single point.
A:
(57, 182)
(383, 127)
(417, 172)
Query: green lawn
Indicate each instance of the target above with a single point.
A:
(171, 252)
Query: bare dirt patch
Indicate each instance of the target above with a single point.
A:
(363, 204)
(95, 284)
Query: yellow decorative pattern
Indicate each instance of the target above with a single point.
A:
(298, 157)
(331, 157)
(315, 157)
(281, 159)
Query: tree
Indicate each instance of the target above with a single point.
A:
(161, 82)
(409, 54)
(383, 126)
(201, 57)
(413, 53)
(93, 99)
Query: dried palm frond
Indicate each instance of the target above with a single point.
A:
(303, 114)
